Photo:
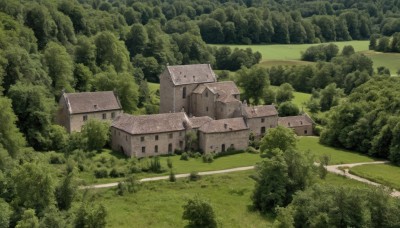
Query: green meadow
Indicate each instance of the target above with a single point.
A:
(159, 204)
(290, 54)
(385, 174)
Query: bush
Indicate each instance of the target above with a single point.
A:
(134, 165)
(194, 176)
(56, 158)
(178, 152)
(169, 163)
(132, 185)
(121, 189)
(115, 172)
(252, 150)
(172, 177)
(194, 154)
(317, 130)
(155, 165)
(208, 157)
(199, 213)
(228, 152)
(185, 156)
(101, 173)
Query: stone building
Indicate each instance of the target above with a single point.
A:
(219, 135)
(178, 82)
(76, 108)
(149, 135)
(302, 125)
(260, 118)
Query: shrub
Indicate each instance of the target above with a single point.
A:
(155, 165)
(115, 172)
(208, 157)
(194, 176)
(194, 154)
(56, 158)
(228, 152)
(317, 130)
(199, 213)
(101, 173)
(184, 156)
(134, 165)
(169, 163)
(252, 150)
(132, 185)
(177, 151)
(172, 177)
(121, 189)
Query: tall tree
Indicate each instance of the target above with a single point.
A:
(253, 81)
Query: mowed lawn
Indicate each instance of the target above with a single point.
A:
(159, 204)
(385, 174)
(337, 156)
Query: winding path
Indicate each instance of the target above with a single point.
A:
(342, 169)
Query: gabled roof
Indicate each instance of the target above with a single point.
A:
(295, 121)
(191, 74)
(149, 124)
(197, 122)
(260, 111)
(88, 102)
(224, 125)
(225, 90)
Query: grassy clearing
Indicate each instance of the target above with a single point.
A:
(153, 86)
(338, 156)
(385, 174)
(293, 51)
(389, 60)
(159, 204)
(299, 97)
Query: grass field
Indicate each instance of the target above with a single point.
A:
(384, 174)
(299, 98)
(338, 156)
(159, 204)
(290, 54)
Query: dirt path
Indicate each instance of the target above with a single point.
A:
(342, 169)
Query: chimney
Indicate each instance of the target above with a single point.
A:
(225, 126)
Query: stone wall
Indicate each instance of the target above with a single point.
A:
(203, 104)
(303, 130)
(212, 142)
(255, 124)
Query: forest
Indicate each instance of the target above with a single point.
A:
(48, 47)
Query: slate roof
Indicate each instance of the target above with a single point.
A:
(149, 124)
(295, 121)
(260, 111)
(87, 102)
(224, 125)
(191, 74)
(225, 90)
(197, 122)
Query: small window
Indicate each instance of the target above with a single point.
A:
(184, 92)
(206, 109)
(84, 117)
(156, 149)
(143, 149)
(126, 137)
(104, 116)
(262, 120)
(112, 115)
(170, 135)
(232, 146)
(156, 137)
(263, 130)
(206, 93)
(305, 131)
(142, 139)
(170, 148)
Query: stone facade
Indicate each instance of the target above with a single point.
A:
(219, 135)
(302, 125)
(76, 108)
(260, 118)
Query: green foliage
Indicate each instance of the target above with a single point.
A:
(96, 133)
(5, 213)
(191, 141)
(284, 93)
(287, 108)
(101, 173)
(91, 215)
(278, 178)
(330, 97)
(169, 163)
(10, 137)
(28, 220)
(208, 157)
(34, 187)
(199, 213)
(155, 165)
(184, 156)
(321, 52)
(172, 177)
(253, 81)
(66, 192)
(194, 176)
(281, 138)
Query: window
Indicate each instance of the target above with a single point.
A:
(305, 132)
(223, 148)
(104, 116)
(232, 146)
(156, 137)
(143, 149)
(181, 144)
(206, 93)
(84, 117)
(156, 149)
(142, 139)
(170, 135)
(126, 137)
(263, 130)
(262, 120)
(184, 92)
(170, 148)
(206, 109)
(112, 115)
